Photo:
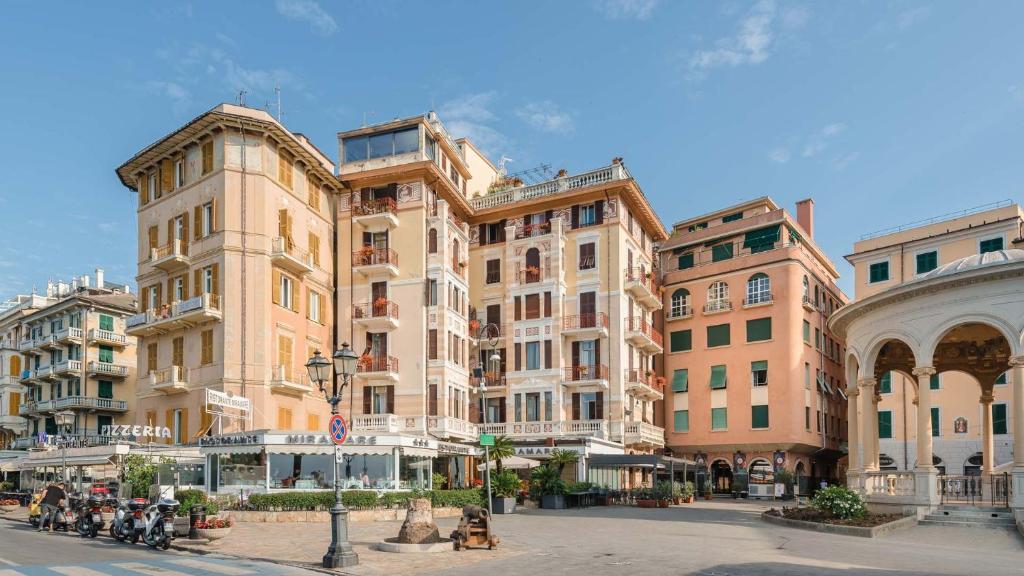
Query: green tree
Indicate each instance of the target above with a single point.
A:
(561, 458)
(502, 449)
(140, 472)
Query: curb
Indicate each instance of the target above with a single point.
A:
(208, 552)
(860, 531)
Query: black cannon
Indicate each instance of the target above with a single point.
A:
(474, 529)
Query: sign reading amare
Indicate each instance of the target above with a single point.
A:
(138, 431)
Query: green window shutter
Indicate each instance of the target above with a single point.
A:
(807, 331)
(758, 365)
(761, 240)
(1001, 379)
(933, 382)
(878, 272)
(718, 377)
(718, 335)
(759, 330)
(106, 389)
(884, 424)
(719, 419)
(680, 380)
(759, 416)
(106, 322)
(927, 262)
(106, 354)
(680, 341)
(732, 217)
(721, 252)
(885, 384)
(991, 245)
(935, 421)
(999, 418)
(686, 261)
(681, 421)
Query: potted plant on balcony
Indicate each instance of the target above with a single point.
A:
(380, 306)
(546, 484)
(365, 362)
(365, 255)
(505, 485)
(474, 326)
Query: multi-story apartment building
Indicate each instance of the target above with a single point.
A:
(755, 378)
(76, 356)
(12, 424)
(893, 257)
(235, 272)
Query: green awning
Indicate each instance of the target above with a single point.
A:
(717, 377)
(759, 365)
(823, 384)
(680, 380)
(761, 239)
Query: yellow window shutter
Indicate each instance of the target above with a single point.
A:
(15, 401)
(144, 300)
(216, 278)
(207, 157)
(159, 296)
(314, 248)
(151, 418)
(197, 221)
(308, 296)
(143, 190)
(275, 279)
(207, 350)
(153, 233)
(291, 241)
(184, 232)
(15, 366)
(166, 175)
(205, 422)
(170, 290)
(170, 232)
(151, 357)
(184, 285)
(295, 295)
(169, 422)
(184, 425)
(282, 223)
(313, 422)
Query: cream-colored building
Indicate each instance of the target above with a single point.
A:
(235, 272)
(892, 258)
(12, 424)
(75, 356)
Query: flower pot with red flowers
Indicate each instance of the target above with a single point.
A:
(380, 306)
(9, 505)
(474, 326)
(214, 528)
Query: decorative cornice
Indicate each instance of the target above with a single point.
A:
(987, 397)
(868, 382)
(1016, 360)
(924, 371)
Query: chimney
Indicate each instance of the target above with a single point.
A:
(805, 216)
(99, 277)
(83, 282)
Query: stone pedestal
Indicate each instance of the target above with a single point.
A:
(419, 527)
(926, 486)
(1017, 491)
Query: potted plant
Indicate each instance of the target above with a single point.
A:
(547, 485)
(365, 255)
(9, 505)
(707, 491)
(645, 498)
(474, 326)
(562, 173)
(214, 528)
(380, 306)
(785, 477)
(663, 493)
(739, 486)
(505, 486)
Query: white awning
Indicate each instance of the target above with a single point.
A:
(514, 463)
(230, 449)
(12, 464)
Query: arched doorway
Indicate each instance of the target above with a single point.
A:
(721, 477)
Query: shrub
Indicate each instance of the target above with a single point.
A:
(439, 481)
(546, 481)
(663, 490)
(189, 498)
(578, 486)
(6, 486)
(360, 500)
(457, 498)
(506, 484)
(840, 502)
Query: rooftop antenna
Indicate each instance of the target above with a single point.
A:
(241, 97)
(277, 92)
(364, 117)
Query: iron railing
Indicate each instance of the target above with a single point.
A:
(993, 490)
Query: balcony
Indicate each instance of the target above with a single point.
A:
(173, 380)
(378, 368)
(71, 334)
(522, 430)
(534, 275)
(755, 299)
(47, 342)
(381, 314)
(586, 326)
(83, 403)
(28, 408)
(589, 428)
(289, 382)
(809, 304)
(107, 369)
(30, 346)
(680, 313)
(717, 306)
(448, 427)
(46, 373)
(170, 257)
(183, 314)
(641, 385)
(640, 283)
(642, 434)
(595, 374)
(375, 213)
(366, 423)
(555, 186)
(99, 336)
(67, 368)
(8, 380)
(641, 334)
(287, 256)
(25, 443)
(370, 261)
(492, 381)
(533, 230)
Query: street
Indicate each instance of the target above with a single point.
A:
(23, 551)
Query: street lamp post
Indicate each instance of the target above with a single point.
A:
(491, 332)
(64, 420)
(340, 553)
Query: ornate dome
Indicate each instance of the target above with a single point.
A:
(976, 261)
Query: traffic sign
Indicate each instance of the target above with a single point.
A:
(338, 429)
(487, 439)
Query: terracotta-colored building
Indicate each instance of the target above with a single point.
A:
(754, 377)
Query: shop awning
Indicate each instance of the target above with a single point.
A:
(761, 239)
(514, 463)
(230, 449)
(637, 461)
(12, 464)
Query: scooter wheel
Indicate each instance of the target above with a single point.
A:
(134, 538)
(166, 544)
(94, 531)
(114, 534)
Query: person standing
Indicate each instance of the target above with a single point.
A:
(52, 500)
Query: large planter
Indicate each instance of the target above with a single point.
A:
(181, 526)
(663, 503)
(552, 501)
(8, 508)
(504, 505)
(212, 534)
(641, 503)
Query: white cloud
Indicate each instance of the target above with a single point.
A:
(470, 116)
(779, 155)
(310, 12)
(812, 145)
(909, 18)
(748, 46)
(626, 9)
(817, 142)
(178, 95)
(843, 160)
(546, 116)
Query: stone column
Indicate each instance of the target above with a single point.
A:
(876, 450)
(868, 436)
(856, 464)
(924, 417)
(1017, 413)
(987, 443)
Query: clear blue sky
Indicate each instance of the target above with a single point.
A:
(883, 112)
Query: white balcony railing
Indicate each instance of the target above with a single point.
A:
(108, 368)
(375, 423)
(106, 336)
(889, 483)
(523, 193)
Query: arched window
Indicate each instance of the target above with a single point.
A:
(759, 289)
(816, 295)
(532, 272)
(680, 303)
(807, 289)
(432, 241)
(718, 297)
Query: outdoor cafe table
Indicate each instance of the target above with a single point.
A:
(584, 499)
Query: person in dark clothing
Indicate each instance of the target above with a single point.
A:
(51, 502)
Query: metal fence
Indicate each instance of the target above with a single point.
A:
(992, 490)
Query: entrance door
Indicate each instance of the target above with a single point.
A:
(721, 477)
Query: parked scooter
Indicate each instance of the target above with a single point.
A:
(128, 522)
(58, 518)
(159, 529)
(88, 517)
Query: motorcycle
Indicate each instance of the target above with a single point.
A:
(159, 527)
(89, 519)
(128, 523)
(59, 518)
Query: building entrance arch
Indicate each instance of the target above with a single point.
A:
(721, 477)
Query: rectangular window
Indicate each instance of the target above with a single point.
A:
(105, 389)
(286, 291)
(721, 252)
(681, 421)
(106, 322)
(759, 330)
(759, 373)
(934, 382)
(680, 380)
(1001, 379)
(588, 215)
(432, 344)
(878, 272)
(718, 335)
(532, 407)
(718, 377)
(935, 421)
(990, 245)
(885, 423)
(107, 354)
(207, 150)
(587, 256)
(179, 173)
(759, 416)
(686, 261)
(206, 354)
(885, 384)
(493, 271)
(680, 341)
(719, 419)
(807, 417)
(807, 332)
(732, 217)
(178, 352)
(532, 306)
(999, 419)
(533, 355)
(927, 261)
(432, 292)
(313, 308)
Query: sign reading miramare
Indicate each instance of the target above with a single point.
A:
(137, 431)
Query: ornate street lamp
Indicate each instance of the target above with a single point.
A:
(64, 420)
(340, 553)
(490, 332)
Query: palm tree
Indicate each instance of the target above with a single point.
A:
(561, 458)
(502, 449)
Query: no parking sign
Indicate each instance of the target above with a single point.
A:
(338, 429)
